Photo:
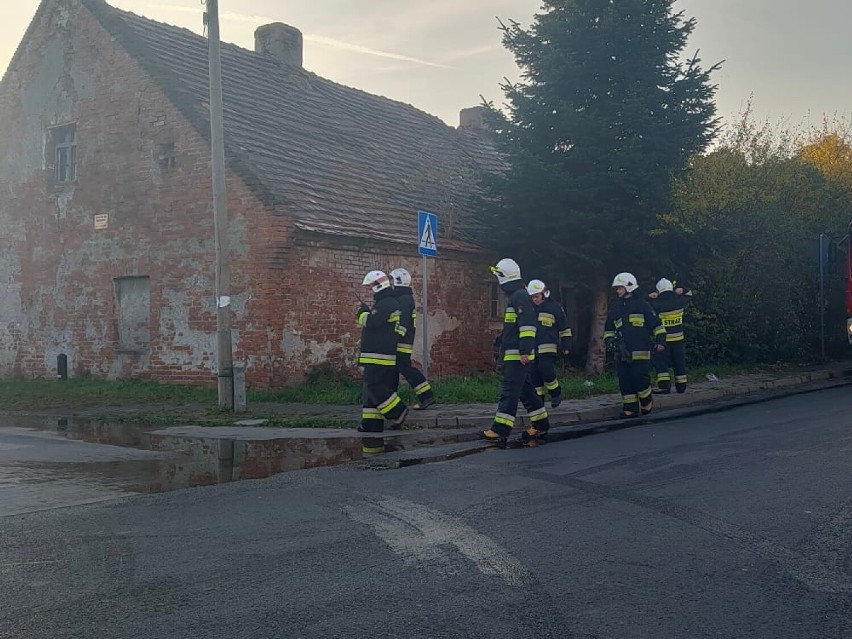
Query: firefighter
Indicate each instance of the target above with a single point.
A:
(378, 357)
(405, 347)
(631, 327)
(669, 303)
(518, 344)
(552, 337)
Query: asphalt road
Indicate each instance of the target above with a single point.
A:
(734, 525)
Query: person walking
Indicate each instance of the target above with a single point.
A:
(518, 345)
(631, 327)
(408, 327)
(553, 336)
(379, 339)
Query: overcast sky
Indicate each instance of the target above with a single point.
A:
(441, 55)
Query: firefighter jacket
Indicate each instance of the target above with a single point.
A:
(379, 335)
(552, 333)
(669, 306)
(407, 319)
(635, 325)
(519, 322)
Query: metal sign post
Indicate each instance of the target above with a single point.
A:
(427, 245)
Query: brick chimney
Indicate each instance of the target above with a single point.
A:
(281, 41)
(472, 118)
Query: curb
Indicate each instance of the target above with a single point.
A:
(561, 433)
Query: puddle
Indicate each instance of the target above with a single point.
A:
(39, 461)
(32, 454)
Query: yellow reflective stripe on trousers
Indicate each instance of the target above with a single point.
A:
(422, 388)
(378, 359)
(552, 385)
(538, 415)
(371, 413)
(505, 419)
(372, 450)
(645, 394)
(389, 404)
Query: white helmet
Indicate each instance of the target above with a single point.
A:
(664, 285)
(377, 280)
(626, 280)
(401, 277)
(537, 286)
(507, 270)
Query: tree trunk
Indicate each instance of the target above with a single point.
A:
(597, 351)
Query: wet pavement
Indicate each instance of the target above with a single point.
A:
(52, 460)
(51, 463)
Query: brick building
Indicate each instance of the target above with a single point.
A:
(106, 222)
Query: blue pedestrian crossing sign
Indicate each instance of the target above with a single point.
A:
(427, 233)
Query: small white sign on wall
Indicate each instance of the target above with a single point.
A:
(101, 221)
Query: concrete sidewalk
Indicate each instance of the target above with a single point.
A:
(448, 431)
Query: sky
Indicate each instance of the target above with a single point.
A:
(791, 58)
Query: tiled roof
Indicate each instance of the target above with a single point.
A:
(337, 159)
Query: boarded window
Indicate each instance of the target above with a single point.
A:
(165, 156)
(63, 139)
(133, 302)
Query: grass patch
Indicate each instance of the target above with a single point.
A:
(337, 392)
(178, 405)
(82, 392)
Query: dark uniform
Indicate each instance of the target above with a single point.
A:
(405, 347)
(669, 307)
(552, 337)
(632, 325)
(379, 339)
(518, 339)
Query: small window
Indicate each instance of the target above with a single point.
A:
(64, 142)
(166, 156)
(496, 302)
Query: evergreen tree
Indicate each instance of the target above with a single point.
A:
(606, 115)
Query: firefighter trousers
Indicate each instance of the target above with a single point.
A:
(414, 377)
(379, 402)
(515, 387)
(671, 360)
(635, 387)
(544, 376)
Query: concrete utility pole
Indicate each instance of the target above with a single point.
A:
(224, 354)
